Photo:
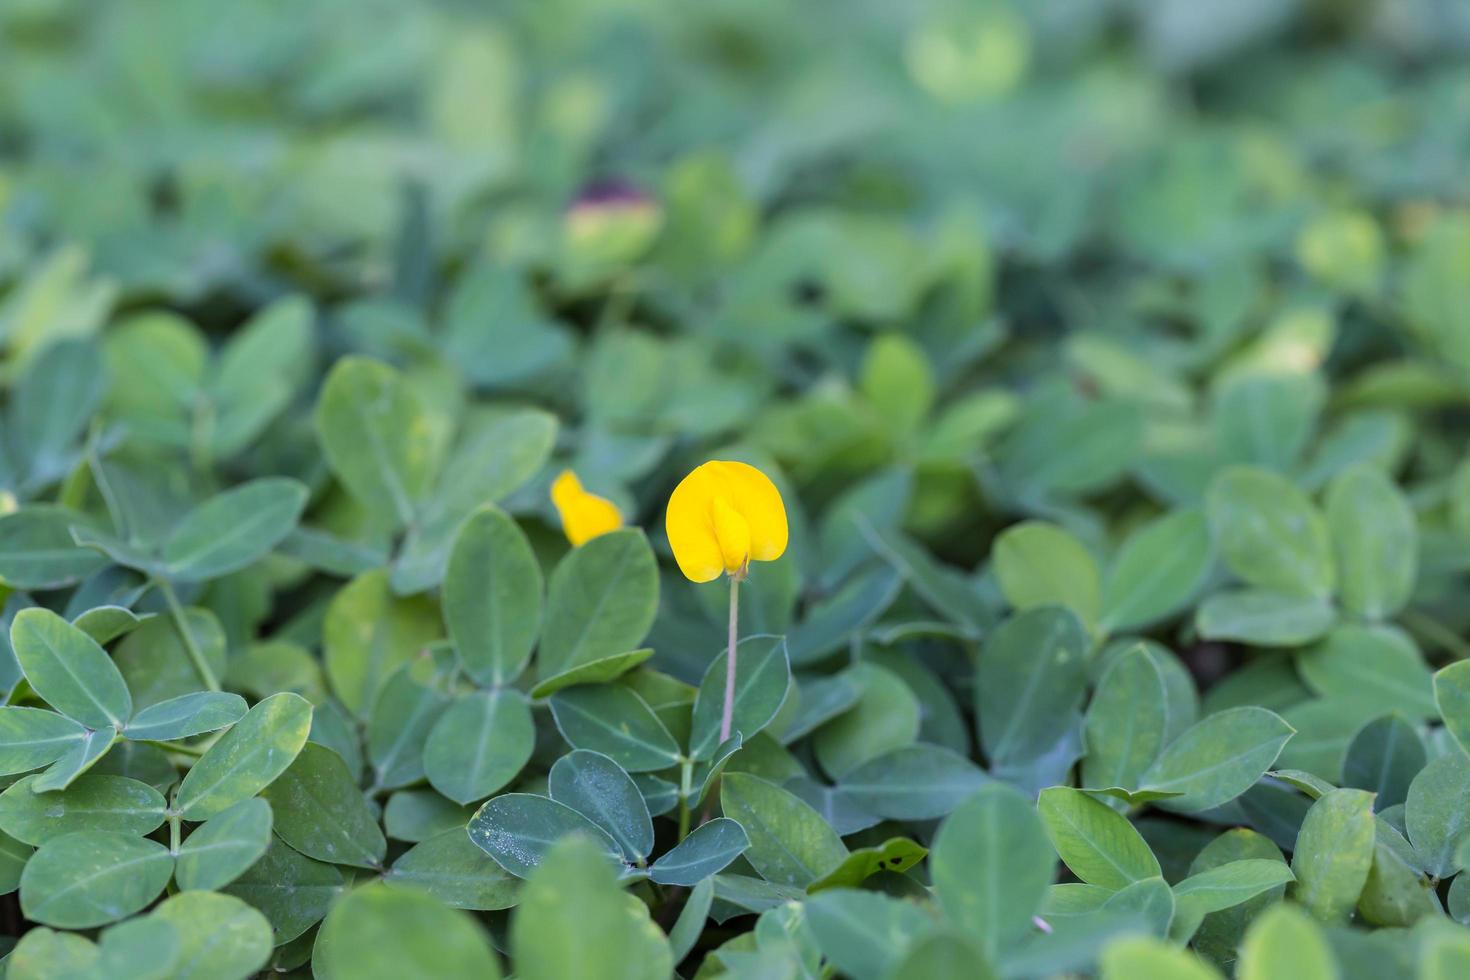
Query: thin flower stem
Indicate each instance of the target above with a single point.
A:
(727, 718)
(206, 672)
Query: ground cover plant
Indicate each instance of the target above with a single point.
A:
(739, 489)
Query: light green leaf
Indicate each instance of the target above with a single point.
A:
(1375, 537)
(613, 720)
(37, 550)
(1269, 533)
(991, 863)
(601, 600)
(790, 843)
(234, 529)
(1159, 568)
(600, 790)
(1261, 617)
(247, 758)
(93, 877)
(492, 597)
(185, 716)
(1040, 564)
(291, 890)
(1094, 840)
(221, 938)
(479, 744)
(518, 829)
(1284, 942)
(113, 803)
(67, 668)
(376, 436)
(1218, 758)
(1437, 812)
(574, 921)
(33, 737)
(450, 867)
(706, 852)
(224, 846)
(864, 934)
(1030, 676)
(916, 782)
(762, 676)
(369, 633)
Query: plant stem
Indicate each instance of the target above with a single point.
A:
(206, 673)
(727, 718)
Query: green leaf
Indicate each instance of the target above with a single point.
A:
(895, 855)
(1218, 934)
(947, 592)
(517, 830)
(1030, 676)
(406, 711)
(574, 921)
(691, 921)
(320, 811)
(1149, 903)
(864, 934)
(613, 720)
(991, 863)
(224, 846)
(943, 956)
(456, 872)
(598, 671)
(492, 597)
(77, 760)
(247, 758)
(790, 843)
(185, 716)
(1284, 942)
(1230, 884)
(106, 623)
(479, 744)
(706, 852)
(221, 938)
(1159, 568)
(234, 529)
(112, 803)
(37, 550)
(1263, 618)
(67, 668)
(383, 933)
(1269, 534)
(1397, 893)
(601, 600)
(1133, 714)
(93, 877)
(33, 737)
(415, 815)
(374, 432)
(50, 405)
(762, 676)
(886, 717)
(1378, 666)
(1143, 956)
(1375, 538)
(831, 622)
(1218, 758)
(1039, 564)
(1266, 419)
(290, 889)
(1098, 844)
(1384, 757)
(1437, 812)
(1452, 698)
(916, 782)
(368, 634)
(600, 790)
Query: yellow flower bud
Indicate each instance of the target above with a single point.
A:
(584, 515)
(723, 516)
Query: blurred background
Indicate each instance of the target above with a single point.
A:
(955, 234)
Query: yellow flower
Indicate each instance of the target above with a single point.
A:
(584, 515)
(721, 517)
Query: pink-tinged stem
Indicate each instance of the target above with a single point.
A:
(727, 718)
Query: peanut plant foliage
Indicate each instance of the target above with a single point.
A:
(1109, 362)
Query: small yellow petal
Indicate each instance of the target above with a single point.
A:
(732, 534)
(723, 515)
(584, 515)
